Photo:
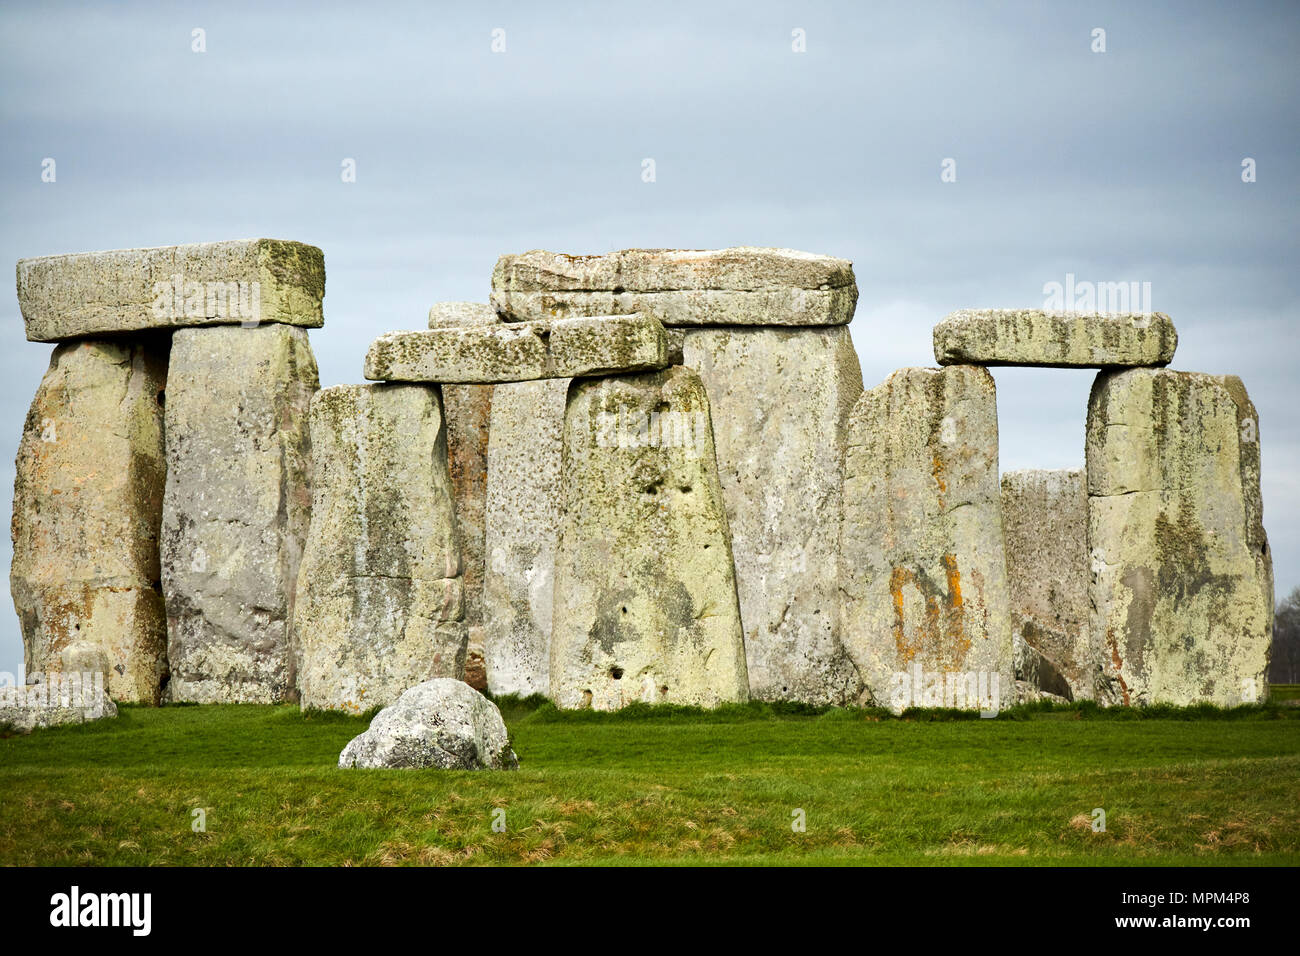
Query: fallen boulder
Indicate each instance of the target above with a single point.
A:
(63, 698)
(442, 724)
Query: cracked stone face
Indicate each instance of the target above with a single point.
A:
(1182, 579)
(923, 565)
(645, 592)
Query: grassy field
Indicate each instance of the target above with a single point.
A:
(1177, 787)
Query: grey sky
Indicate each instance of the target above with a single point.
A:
(1123, 165)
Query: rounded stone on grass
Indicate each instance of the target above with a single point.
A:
(442, 724)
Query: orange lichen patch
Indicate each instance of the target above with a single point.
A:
(939, 470)
(954, 581)
(958, 640)
(899, 577)
(943, 630)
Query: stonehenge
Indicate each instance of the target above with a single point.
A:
(181, 381)
(766, 330)
(650, 476)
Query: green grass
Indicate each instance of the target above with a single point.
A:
(677, 785)
(1281, 692)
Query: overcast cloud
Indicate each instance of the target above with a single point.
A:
(1115, 166)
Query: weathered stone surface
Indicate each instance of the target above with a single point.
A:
(519, 352)
(70, 698)
(442, 724)
(1056, 339)
(88, 497)
(645, 592)
(1045, 520)
(450, 315)
(378, 606)
(1037, 676)
(780, 402)
(676, 345)
(1182, 577)
(740, 286)
(468, 410)
(522, 526)
(1027, 692)
(236, 509)
(923, 566)
(126, 290)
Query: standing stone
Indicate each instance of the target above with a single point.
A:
(1182, 577)
(379, 590)
(522, 526)
(468, 410)
(926, 606)
(645, 592)
(1045, 518)
(236, 509)
(780, 402)
(88, 497)
(681, 287)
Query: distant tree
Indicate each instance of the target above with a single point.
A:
(1285, 667)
